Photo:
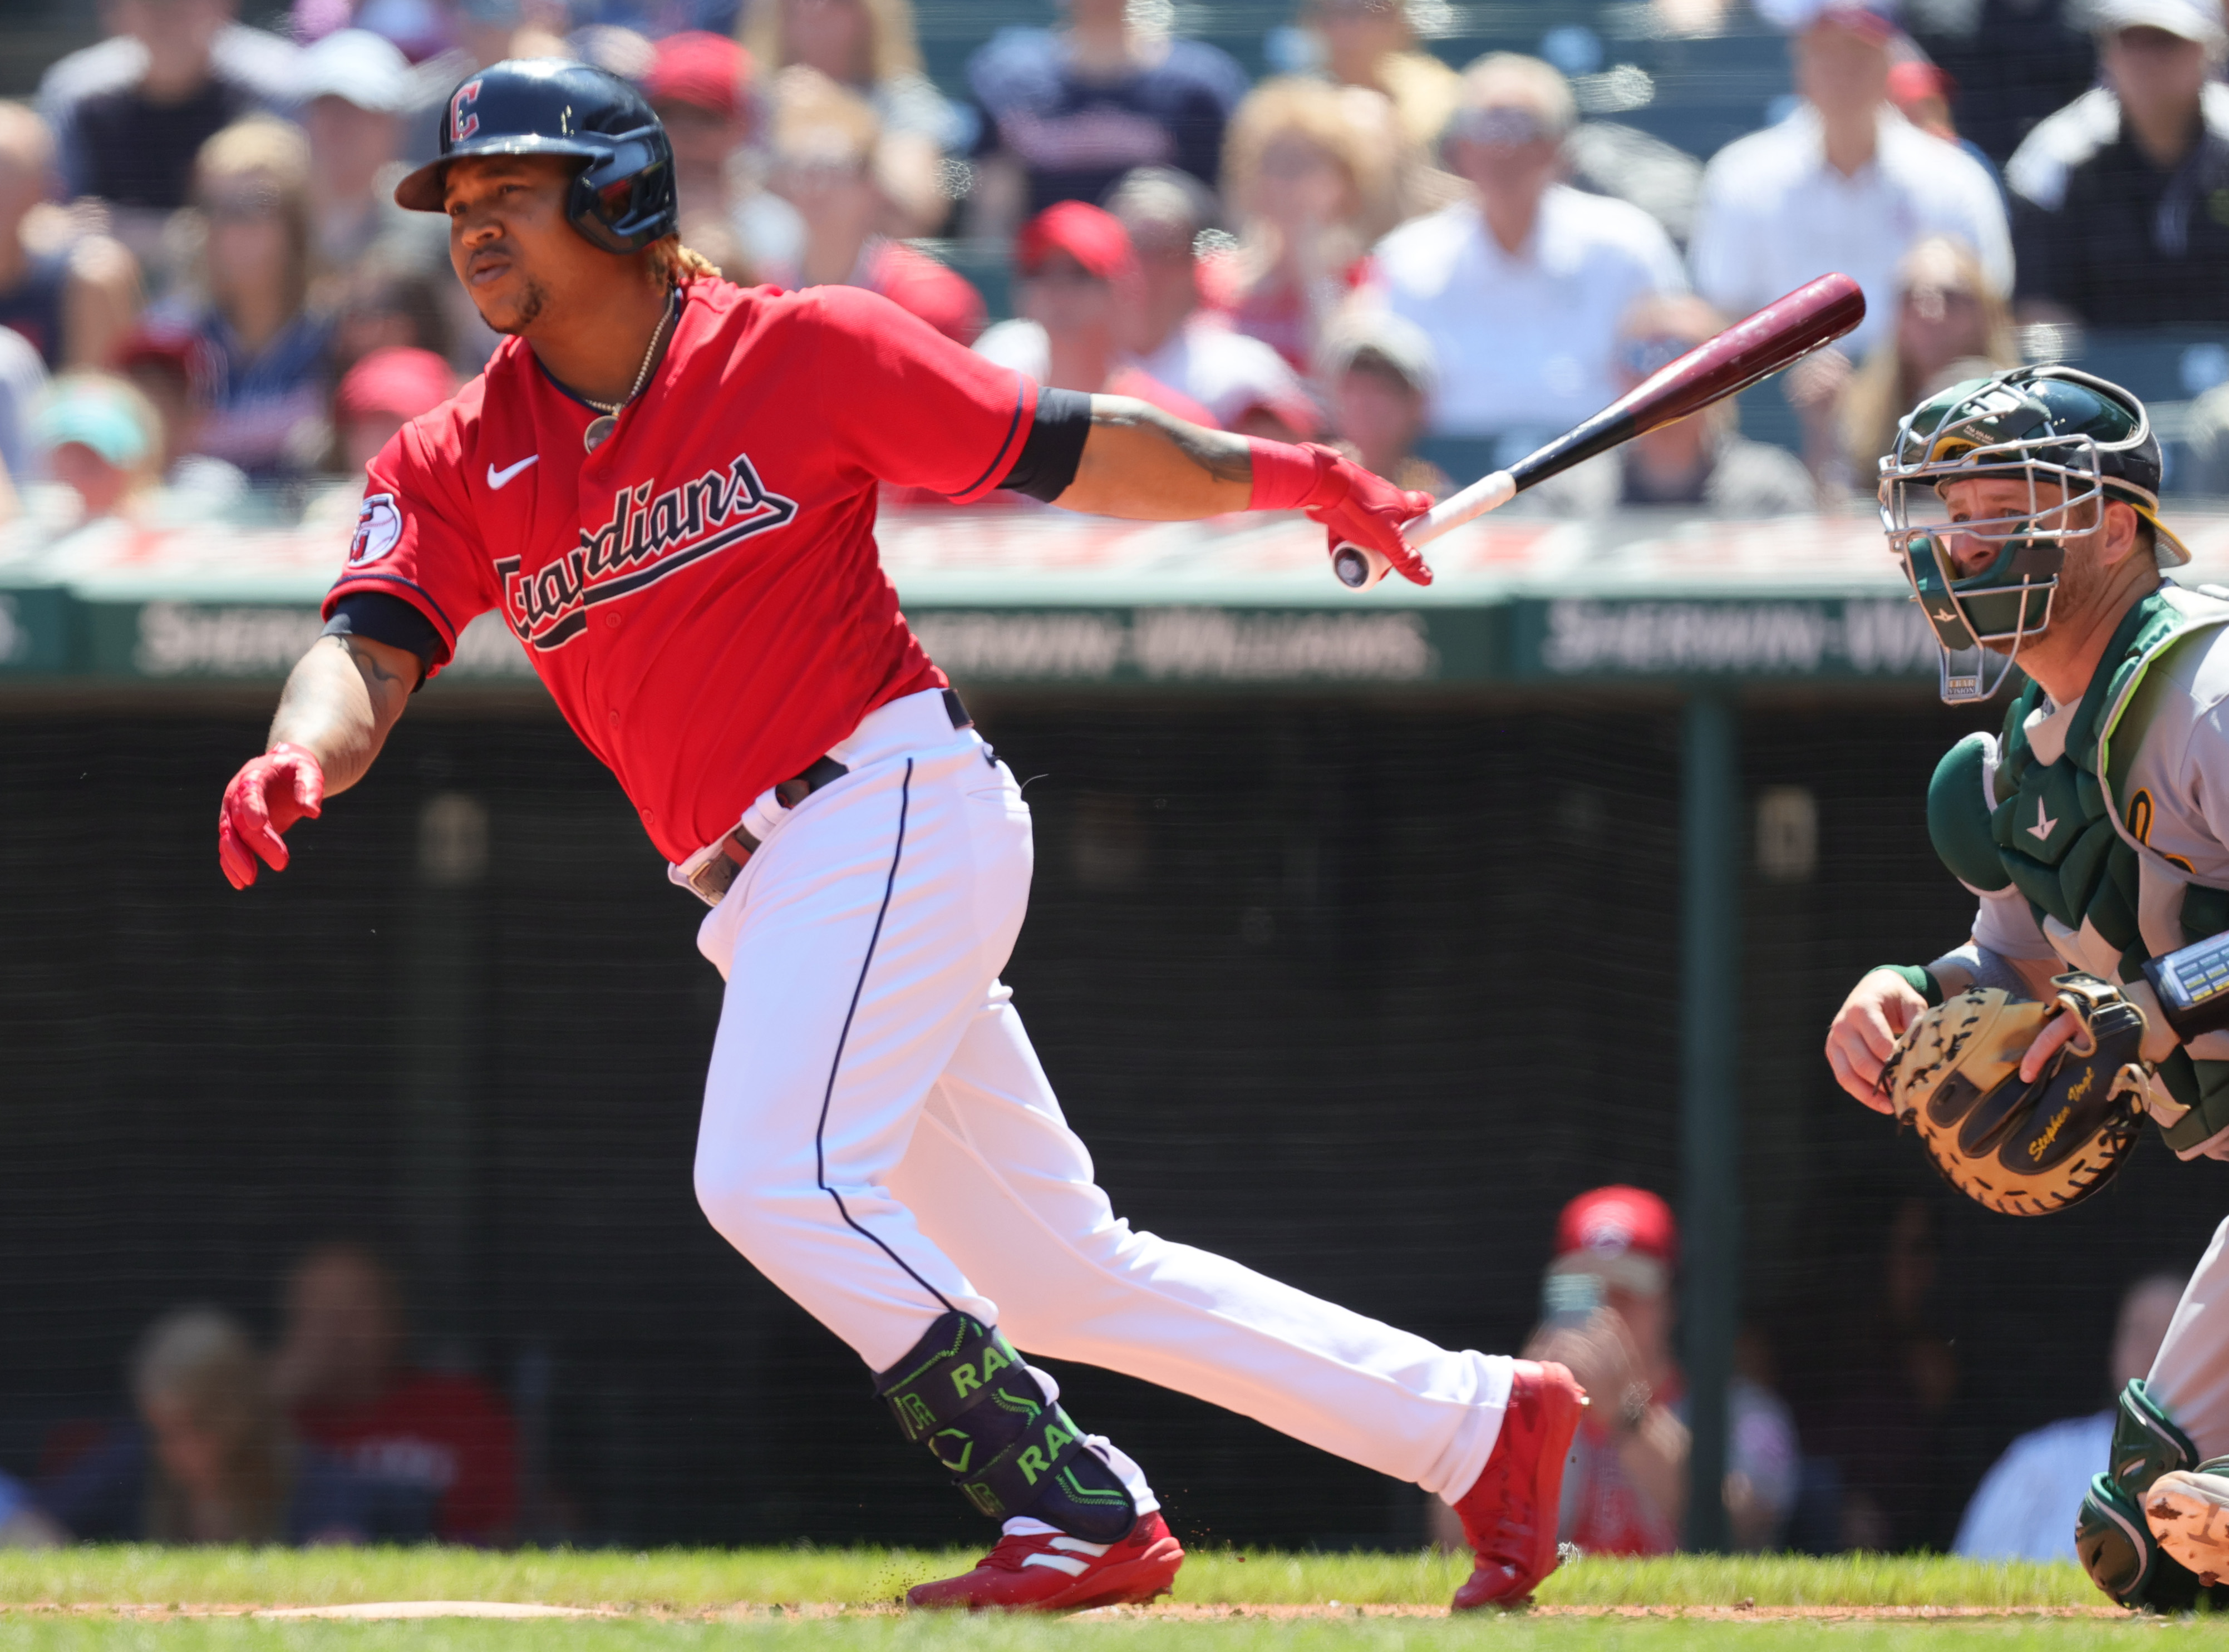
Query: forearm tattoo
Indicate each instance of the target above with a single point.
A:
(375, 669)
(1221, 455)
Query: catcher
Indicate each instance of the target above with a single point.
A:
(2094, 831)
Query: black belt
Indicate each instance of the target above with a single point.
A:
(717, 876)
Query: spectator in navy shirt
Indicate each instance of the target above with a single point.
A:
(1067, 111)
(132, 140)
(269, 351)
(209, 1459)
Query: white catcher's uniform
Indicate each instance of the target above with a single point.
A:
(879, 1140)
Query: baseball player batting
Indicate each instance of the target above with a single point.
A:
(2089, 1001)
(666, 486)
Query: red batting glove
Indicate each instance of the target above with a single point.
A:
(1358, 506)
(269, 794)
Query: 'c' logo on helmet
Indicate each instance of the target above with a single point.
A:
(462, 122)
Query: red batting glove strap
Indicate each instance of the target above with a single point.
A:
(269, 794)
(1358, 506)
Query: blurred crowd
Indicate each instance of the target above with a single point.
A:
(211, 305)
(333, 1436)
(336, 1433)
(1853, 1457)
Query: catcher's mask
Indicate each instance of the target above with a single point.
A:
(2040, 427)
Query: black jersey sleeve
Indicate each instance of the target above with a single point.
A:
(1054, 447)
(389, 620)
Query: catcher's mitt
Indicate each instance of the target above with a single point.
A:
(2024, 1150)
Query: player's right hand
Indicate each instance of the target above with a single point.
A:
(269, 794)
(1362, 508)
(1865, 1031)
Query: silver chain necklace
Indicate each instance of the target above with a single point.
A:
(601, 428)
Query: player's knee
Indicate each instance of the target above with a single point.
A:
(742, 1201)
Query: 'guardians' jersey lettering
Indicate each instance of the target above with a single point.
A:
(646, 539)
(701, 593)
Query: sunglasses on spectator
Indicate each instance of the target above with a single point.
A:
(1505, 126)
(1643, 356)
(244, 206)
(818, 171)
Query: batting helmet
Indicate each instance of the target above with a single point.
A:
(622, 197)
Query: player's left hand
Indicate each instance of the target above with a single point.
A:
(269, 794)
(1362, 508)
(2159, 1037)
(2056, 1034)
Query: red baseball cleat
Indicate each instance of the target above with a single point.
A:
(1049, 1572)
(1510, 1514)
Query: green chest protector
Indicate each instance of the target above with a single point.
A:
(2057, 834)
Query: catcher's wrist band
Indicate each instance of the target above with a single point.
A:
(2192, 987)
(1921, 981)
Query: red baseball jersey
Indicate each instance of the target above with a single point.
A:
(447, 1436)
(701, 593)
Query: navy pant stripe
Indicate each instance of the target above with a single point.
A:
(820, 1156)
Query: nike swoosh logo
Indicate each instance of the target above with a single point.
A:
(496, 479)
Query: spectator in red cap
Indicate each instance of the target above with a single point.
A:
(702, 87)
(1923, 93)
(382, 392)
(1610, 1316)
(1078, 285)
(833, 163)
(176, 371)
(1243, 382)
(1920, 93)
(699, 86)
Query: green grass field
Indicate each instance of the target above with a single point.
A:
(839, 1599)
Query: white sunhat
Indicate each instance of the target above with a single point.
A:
(363, 68)
(1394, 340)
(2196, 19)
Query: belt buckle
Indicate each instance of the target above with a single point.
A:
(717, 876)
(714, 879)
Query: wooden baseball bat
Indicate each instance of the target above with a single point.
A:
(1777, 336)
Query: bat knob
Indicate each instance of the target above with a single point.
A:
(1357, 569)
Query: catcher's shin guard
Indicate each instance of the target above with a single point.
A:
(965, 1393)
(2111, 1537)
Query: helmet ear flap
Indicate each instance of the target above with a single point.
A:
(624, 202)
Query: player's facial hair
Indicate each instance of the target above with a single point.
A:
(531, 298)
(2082, 577)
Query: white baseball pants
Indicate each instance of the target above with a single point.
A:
(879, 1140)
(2190, 1375)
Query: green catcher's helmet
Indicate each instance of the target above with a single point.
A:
(2043, 427)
